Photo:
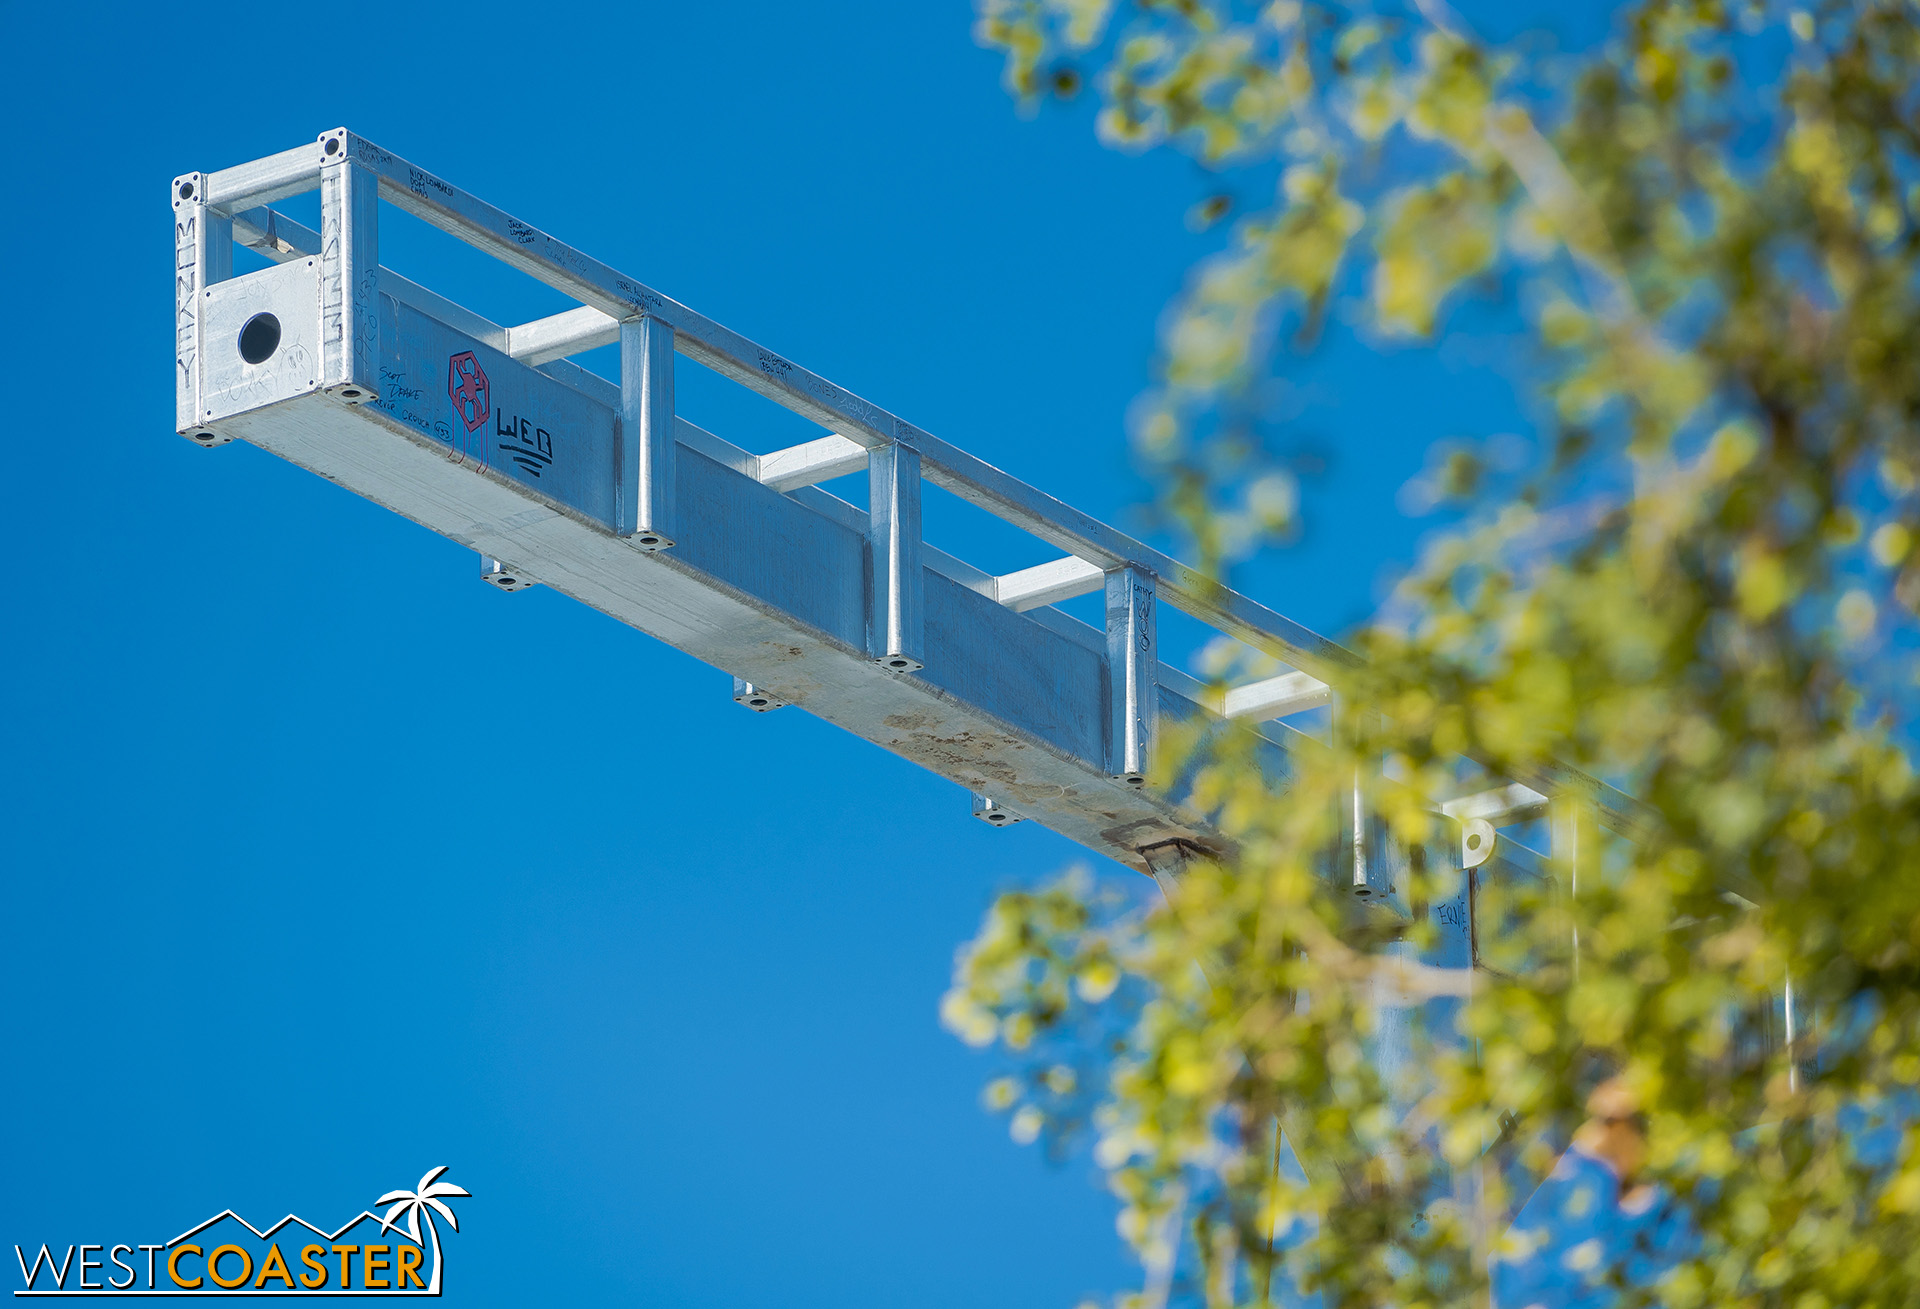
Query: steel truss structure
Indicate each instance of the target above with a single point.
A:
(489, 435)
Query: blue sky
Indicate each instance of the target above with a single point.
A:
(301, 898)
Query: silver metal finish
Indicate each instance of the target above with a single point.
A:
(1049, 583)
(897, 602)
(596, 285)
(756, 698)
(1276, 697)
(1575, 841)
(202, 257)
(1477, 842)
(1008, 706)
(265, 180)
(1501, 805)
(547, 339)
(490, 436)
(1133, 664)
(281, 239)
(271, 233)
(349, 276)
(1167, 863)
(993, 813)
(810, 463)
(504, 576)
(259, 339)
(495, 416)
(1792, 1033)
(1575, 851)
(644, 507)
(1367, 860)
(699, 338)
(1358, 837)
(1377, 860)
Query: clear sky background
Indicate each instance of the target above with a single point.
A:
(324, 863)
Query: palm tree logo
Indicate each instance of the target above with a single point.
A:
(425, 1199)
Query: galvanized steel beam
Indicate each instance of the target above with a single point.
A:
(489, 435)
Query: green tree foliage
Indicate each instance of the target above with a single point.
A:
(1702, 592)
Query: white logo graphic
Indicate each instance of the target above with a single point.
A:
(227, 1255)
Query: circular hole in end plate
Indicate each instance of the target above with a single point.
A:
(186, 190)
(259, 338)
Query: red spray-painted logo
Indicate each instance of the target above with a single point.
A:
(467, 388)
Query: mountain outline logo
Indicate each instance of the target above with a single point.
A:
(204, 1261)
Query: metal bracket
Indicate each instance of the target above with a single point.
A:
(756, 698)
(504, 577)
(994, 813)
(1478, 837)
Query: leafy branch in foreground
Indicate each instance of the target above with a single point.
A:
(1704, 593)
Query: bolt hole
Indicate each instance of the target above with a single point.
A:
(1473, 842)
(333, 146)
(259, 338)
(186, 190)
